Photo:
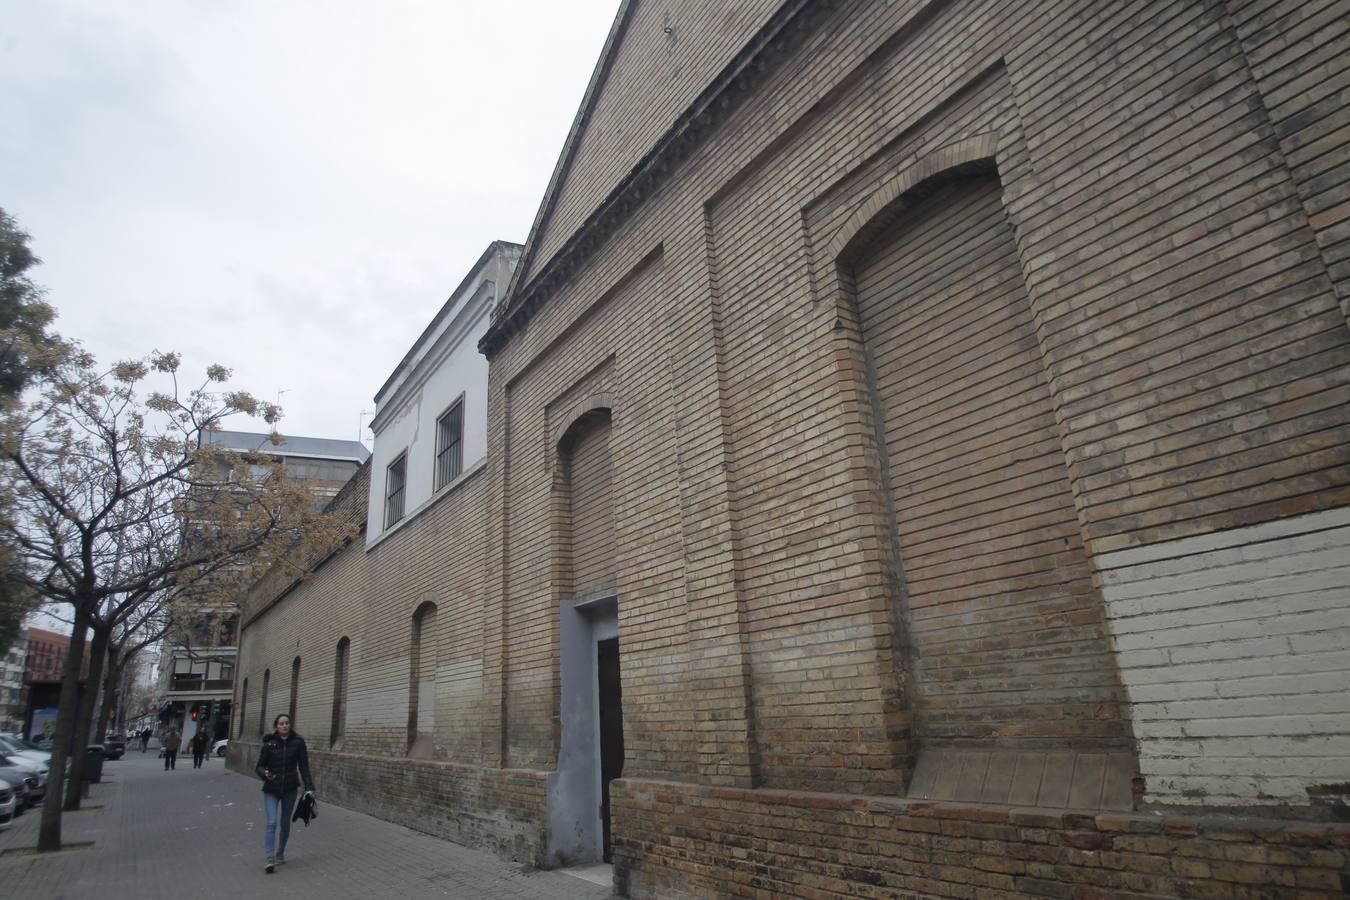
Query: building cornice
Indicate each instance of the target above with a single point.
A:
(398, 391)
(473, 279)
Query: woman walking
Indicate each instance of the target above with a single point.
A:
(283, 764)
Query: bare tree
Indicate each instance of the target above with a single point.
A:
(112, 499)
(149, 622)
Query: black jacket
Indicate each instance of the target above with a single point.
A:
(286, 761)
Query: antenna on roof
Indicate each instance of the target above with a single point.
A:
(280, 391)
(361, 426)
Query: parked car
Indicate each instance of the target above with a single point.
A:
(34, 757)
(114, 745)
(29, 787)
(26, 750)
(9, 805)
(41, 742)
(31, 761)
(219, 747)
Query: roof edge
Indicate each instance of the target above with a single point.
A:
(599, 75)
(716, 102)
(492, 249)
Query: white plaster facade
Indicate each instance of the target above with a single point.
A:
(1233, 647)
(442, 367)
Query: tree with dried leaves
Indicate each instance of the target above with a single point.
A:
(112, 503)
(27, 347)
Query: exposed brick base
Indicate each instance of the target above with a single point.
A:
(498, 809)
(677, 840)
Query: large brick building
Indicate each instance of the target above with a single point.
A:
(917, 460)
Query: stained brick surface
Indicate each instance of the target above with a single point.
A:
(796, 637)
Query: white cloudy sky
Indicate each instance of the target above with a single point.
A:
(290, 188)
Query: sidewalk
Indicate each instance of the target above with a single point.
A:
(198, 832)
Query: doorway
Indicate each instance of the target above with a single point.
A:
(611, 729)
(591, 746)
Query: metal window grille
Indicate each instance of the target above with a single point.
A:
(449, 445)
(393, 490)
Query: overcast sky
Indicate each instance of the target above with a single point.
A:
(289, 188)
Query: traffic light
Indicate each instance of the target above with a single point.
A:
(194, 713)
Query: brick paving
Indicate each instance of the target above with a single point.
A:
(157, 833)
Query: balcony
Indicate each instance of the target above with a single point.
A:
(198, 683)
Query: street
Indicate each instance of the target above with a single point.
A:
(198, 833)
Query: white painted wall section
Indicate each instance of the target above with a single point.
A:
(1235, 650)
(441, 367)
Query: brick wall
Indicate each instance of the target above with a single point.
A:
(678, 840)
(1172, 222)
(369, 597)
(491, 808)
(1296, 51)
(681, 47)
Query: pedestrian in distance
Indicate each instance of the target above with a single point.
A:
(170, 739)
(199, 743)
(145, 739)
(283, 765)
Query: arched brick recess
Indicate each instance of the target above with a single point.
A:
(601, 401)
(423, 660)
(917, 349)
(887, 202)
(857, 407)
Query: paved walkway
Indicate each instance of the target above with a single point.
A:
(198, 833)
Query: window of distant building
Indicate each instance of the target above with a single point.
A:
(450, 444)
(396, 479)
(229, 631)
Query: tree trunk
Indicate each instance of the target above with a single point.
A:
(49, 831)
(98, 651)
(112, 676)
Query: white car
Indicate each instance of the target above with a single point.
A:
(24, 754)
(12, 746)
(28, 786)
(9, 805)
(218, 748)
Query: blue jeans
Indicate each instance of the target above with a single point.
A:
(283, 804)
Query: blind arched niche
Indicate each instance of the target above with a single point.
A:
(588, 505)
(1017, 696)
(422, 682)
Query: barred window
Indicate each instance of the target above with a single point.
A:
(394, 483)
(449, 444)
